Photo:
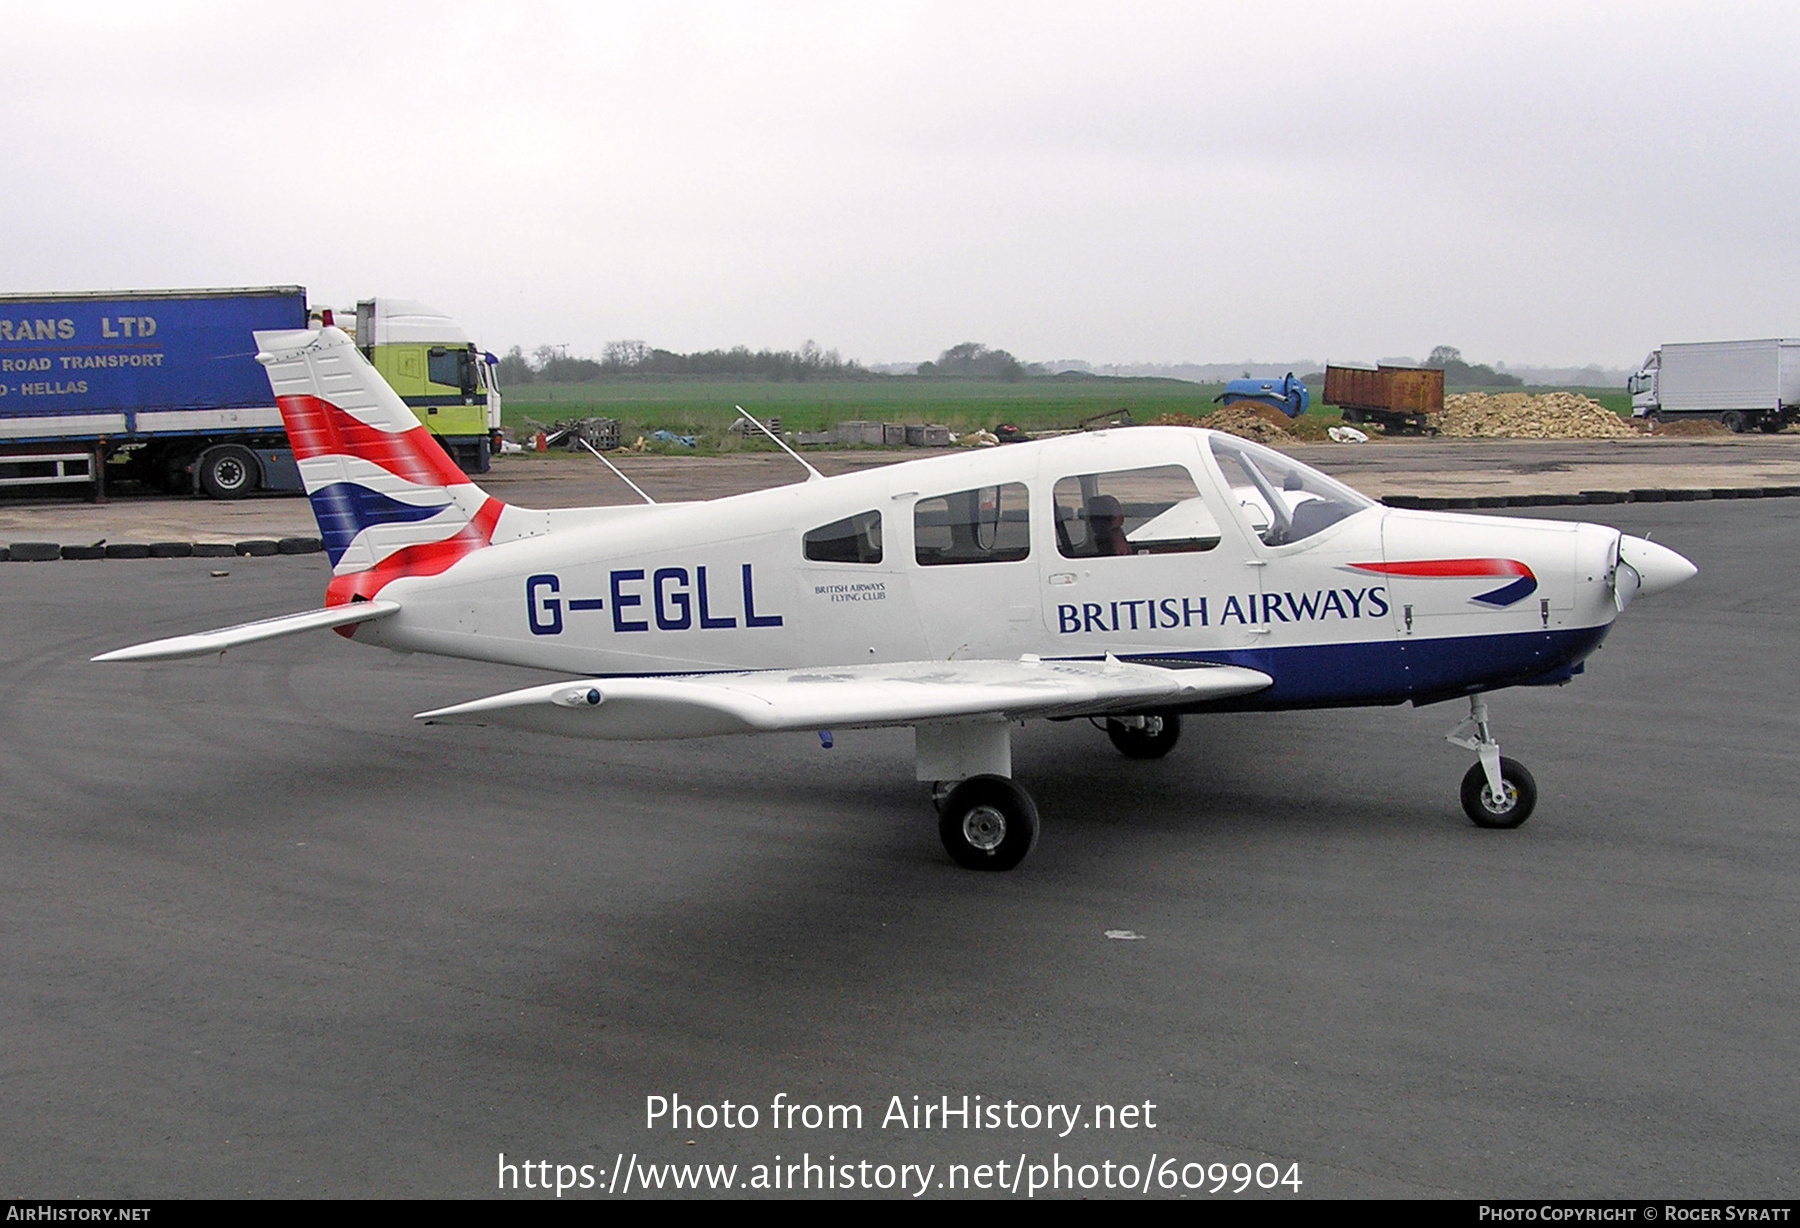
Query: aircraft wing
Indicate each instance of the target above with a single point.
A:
(846, 697)
(204, 643)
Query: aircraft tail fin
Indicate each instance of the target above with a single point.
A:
(389, 500)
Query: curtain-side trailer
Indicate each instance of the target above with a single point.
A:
(167, 379)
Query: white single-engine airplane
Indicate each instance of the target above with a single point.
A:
(1127, 576)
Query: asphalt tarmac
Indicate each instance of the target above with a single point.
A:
(261, 934)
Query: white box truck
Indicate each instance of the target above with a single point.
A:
(1747, 385)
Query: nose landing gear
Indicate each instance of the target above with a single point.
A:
(1496, 792)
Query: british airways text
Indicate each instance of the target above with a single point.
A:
(1168, 613)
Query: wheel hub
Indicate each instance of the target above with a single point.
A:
(1509, 797)
(984, 827)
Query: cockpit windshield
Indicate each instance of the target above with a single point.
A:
(1281, 500)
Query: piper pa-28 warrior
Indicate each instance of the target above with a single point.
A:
(1127, 576)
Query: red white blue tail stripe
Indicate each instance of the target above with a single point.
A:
(1520, 588)
(388, 499)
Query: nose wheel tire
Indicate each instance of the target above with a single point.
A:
(1153, 739)
(1518, 795)
(988, 823)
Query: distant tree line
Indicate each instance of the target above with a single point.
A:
(972, 360)
(1460, 374)
(551, 365)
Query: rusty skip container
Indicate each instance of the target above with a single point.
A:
(1393, 398)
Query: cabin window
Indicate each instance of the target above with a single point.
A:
(1132, 511)
(854, 539)
(990, 524)
(1281, 500)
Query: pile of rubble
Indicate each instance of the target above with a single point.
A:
(1518, 415)
(1240, 420)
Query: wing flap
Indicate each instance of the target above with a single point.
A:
(204, 643)
(849, 697)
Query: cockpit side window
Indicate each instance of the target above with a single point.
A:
(990, 524)
(854, 539)
(1132, 511)
(1281, 500)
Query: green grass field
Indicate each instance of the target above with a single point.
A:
(705, 408)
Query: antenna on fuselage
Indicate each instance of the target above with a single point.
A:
(597, 452)
(814, 474)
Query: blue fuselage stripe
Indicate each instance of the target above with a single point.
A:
(1394, 671)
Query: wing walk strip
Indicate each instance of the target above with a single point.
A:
(849, 697)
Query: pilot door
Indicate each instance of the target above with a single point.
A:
(1321, 617)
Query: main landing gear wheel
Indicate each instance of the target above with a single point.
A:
(1518, 795)
(1145, 737)
(988, 823)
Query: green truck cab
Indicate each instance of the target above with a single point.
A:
(445, 378)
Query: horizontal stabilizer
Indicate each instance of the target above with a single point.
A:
(848, 697)
(205, 643)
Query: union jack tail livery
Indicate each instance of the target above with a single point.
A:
(390, 502)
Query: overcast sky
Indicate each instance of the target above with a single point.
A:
(1553, 183)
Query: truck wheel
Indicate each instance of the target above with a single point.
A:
(228, 471)
(1734, 421)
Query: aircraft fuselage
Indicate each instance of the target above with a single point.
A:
(971, 557)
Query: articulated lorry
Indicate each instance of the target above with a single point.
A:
(1747, 385)
(163, 386)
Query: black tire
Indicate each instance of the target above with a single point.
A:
(1734, 421)
(988, 823)
(1770, 426)
(228, 471)
(1155, 739)
(1521, 798)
